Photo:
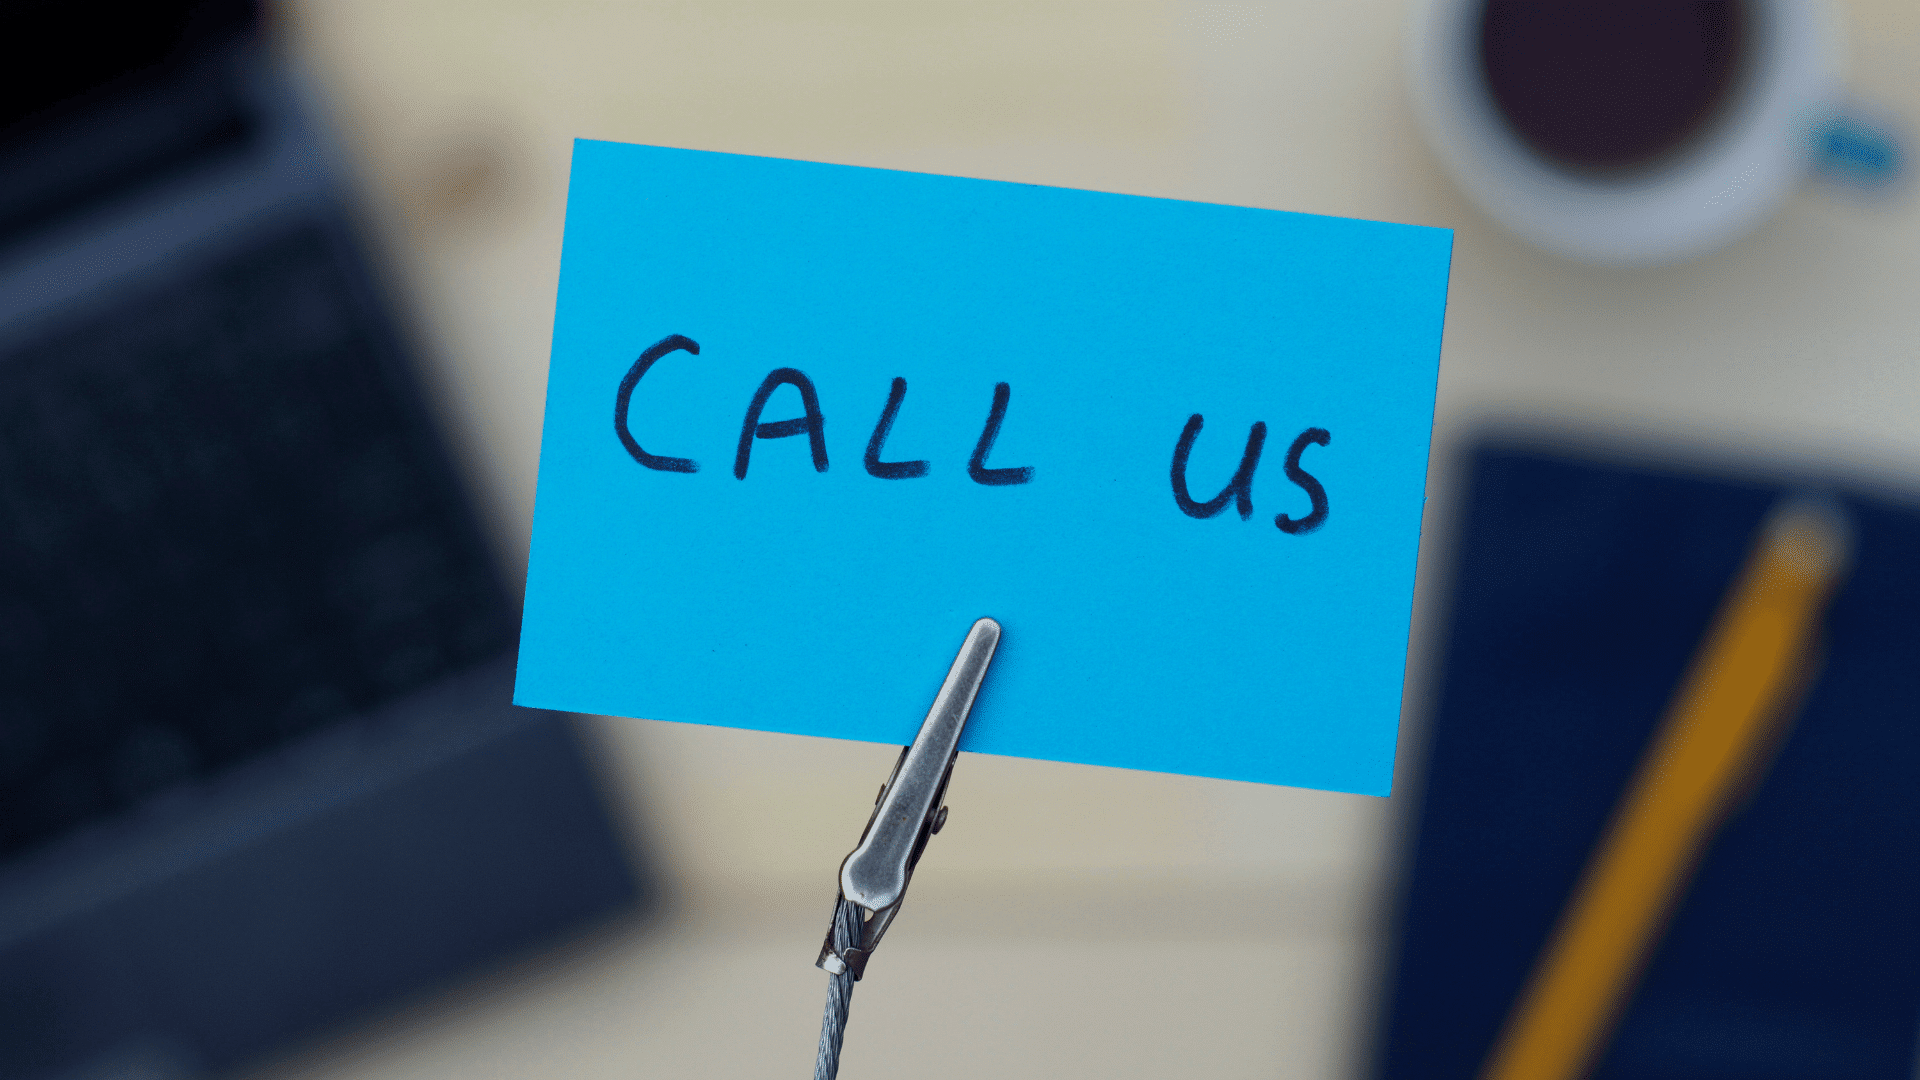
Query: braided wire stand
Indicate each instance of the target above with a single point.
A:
(833, 1027)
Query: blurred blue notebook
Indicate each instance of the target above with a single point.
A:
(1583, 590)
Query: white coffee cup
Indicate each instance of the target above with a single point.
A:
(1721, 180)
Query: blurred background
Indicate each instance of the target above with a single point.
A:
(409, 162)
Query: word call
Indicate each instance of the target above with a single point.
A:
(812, 424)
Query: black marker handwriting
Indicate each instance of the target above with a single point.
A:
(1317, 516)
(976, 467)
(813, 425)
(890, 470)
(1239, 489)
(621, 400)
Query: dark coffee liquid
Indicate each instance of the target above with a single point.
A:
(1609, 86)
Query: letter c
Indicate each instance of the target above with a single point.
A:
(621, 400)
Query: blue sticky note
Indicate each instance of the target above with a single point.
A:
(718, 540)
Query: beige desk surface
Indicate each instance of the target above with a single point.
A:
(1069, 920)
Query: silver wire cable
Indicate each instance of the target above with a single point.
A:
(833, 1027)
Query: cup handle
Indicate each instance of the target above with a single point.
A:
(1859, 148)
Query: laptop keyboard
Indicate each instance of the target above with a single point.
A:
(224, 523)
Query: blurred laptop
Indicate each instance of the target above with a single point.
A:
(259, 772)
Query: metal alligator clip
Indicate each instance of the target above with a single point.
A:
(909, 810)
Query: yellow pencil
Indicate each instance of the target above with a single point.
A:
(1740, 683)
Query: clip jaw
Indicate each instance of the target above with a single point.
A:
(874, 878)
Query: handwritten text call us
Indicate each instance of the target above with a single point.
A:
(1238, 490)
